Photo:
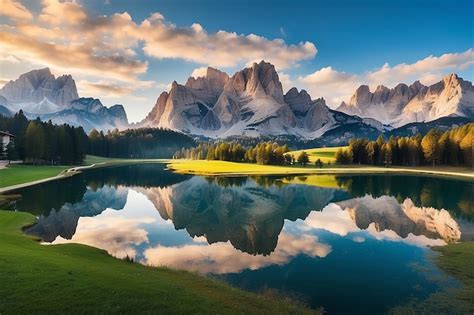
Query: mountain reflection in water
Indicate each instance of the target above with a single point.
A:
(314, 236)
(221, 215)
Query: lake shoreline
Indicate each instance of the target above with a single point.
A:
(224, 168)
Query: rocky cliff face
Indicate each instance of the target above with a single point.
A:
(405, 104)
(249, 103)
(39, 94)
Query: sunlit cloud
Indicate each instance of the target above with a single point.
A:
(15, 10)
(337, 86)
(219, 258)
(199, 72)
(220, 49)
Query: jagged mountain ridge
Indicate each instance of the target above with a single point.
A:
(39, 94)
(250, 103)
(403, 104)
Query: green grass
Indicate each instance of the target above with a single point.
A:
(19, 174)
(79, 279)
(458, 260)
(325, 154)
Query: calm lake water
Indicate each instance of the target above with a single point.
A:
(355, 244)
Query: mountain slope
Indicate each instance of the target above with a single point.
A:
(403, 104)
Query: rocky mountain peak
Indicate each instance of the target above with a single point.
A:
(299, 102)
(40, 86)
(212, 83)
(361, 96)
(259, 80)
(404, 104)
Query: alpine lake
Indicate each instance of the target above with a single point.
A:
(347, 244)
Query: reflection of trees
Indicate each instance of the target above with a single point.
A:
(40, 199)
(61, 203)
(454, 196)
(144, 175)
(250, 216)
(63, 221)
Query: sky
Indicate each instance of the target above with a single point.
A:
(128, 52)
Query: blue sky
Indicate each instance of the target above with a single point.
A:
(353, 39)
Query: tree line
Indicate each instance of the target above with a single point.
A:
(453, 147)
(40, 142)
(265, 153)
(138, 143)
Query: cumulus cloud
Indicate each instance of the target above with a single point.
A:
(65, 36)
(224, 49)
(199, 72)
(427, 68)
(285, 81)
(333, 85)
(15, 10)
(337, 86)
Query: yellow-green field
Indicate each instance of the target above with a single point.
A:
(205, 167)
(325, 154)
(324, 181)
(222, 168)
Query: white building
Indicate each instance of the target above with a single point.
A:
(5, 139)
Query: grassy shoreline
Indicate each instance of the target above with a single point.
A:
(82, 279)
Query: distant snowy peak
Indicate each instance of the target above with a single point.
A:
(88, 113)
(404, 104)
(39, 92)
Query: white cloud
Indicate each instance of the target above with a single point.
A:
(429, 68)
(285, 81)
(337, 86)
(220, 49)
(199, 72)
(331, 84)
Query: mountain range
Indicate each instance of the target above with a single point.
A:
(251, 103)
(39, 94)
(452, 96)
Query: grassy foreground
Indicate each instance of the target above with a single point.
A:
(80, 279)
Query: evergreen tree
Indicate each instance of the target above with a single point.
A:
(430, 146)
